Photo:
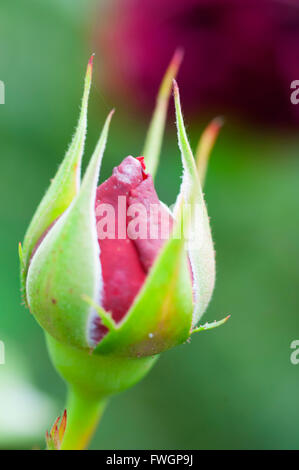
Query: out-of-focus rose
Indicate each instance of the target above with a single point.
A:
(240, 56)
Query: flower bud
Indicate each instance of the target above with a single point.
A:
(107, 269)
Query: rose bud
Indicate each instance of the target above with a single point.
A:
(111, 291)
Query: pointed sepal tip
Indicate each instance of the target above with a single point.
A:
(210, 326)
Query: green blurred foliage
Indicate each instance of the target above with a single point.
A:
(233, 387)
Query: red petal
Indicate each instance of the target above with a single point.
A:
(122, 271)
(125, 262)
(157, 233)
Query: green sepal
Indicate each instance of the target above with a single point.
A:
(106, 317)
(205, 146)
(21, 258)
(200, 249)
(210, 326)
(161, 315)
(154, 137)
(63, 187)
(66, 265)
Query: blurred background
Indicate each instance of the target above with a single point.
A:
(231, 388)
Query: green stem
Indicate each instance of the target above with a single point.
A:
(91, 379)
(83, 415)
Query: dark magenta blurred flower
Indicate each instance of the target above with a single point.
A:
(240, 56)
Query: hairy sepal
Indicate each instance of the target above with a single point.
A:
(63, 188)
(200, 245)
(66, 265)
(161, 315)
